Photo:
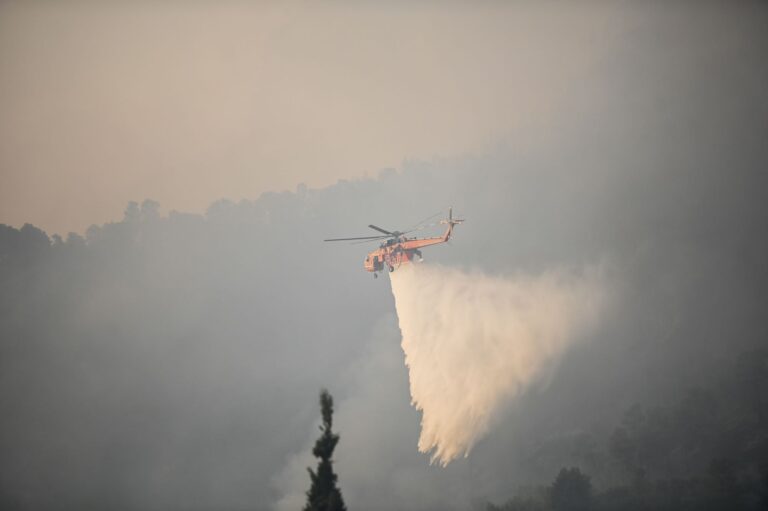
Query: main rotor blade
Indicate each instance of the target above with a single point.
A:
(418, 225)
(359, 238)
(419, 228)
(370, 241)
(380, 229)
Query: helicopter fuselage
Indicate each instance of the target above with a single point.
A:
(397, 251)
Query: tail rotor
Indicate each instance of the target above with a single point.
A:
(450, 222)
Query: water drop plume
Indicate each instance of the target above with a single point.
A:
(473, 342)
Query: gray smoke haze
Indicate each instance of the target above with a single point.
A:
(172, 361)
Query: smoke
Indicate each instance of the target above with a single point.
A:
(474, 342)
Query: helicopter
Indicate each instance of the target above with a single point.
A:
(397, 249)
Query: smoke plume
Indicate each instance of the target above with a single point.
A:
(473, 342)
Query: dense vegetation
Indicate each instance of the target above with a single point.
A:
(709, 451)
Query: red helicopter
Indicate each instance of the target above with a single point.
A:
(397, 249)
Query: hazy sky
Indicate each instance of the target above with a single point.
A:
(188, 102)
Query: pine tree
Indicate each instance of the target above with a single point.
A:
(324, 495)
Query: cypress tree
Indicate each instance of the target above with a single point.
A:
(324, 495)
